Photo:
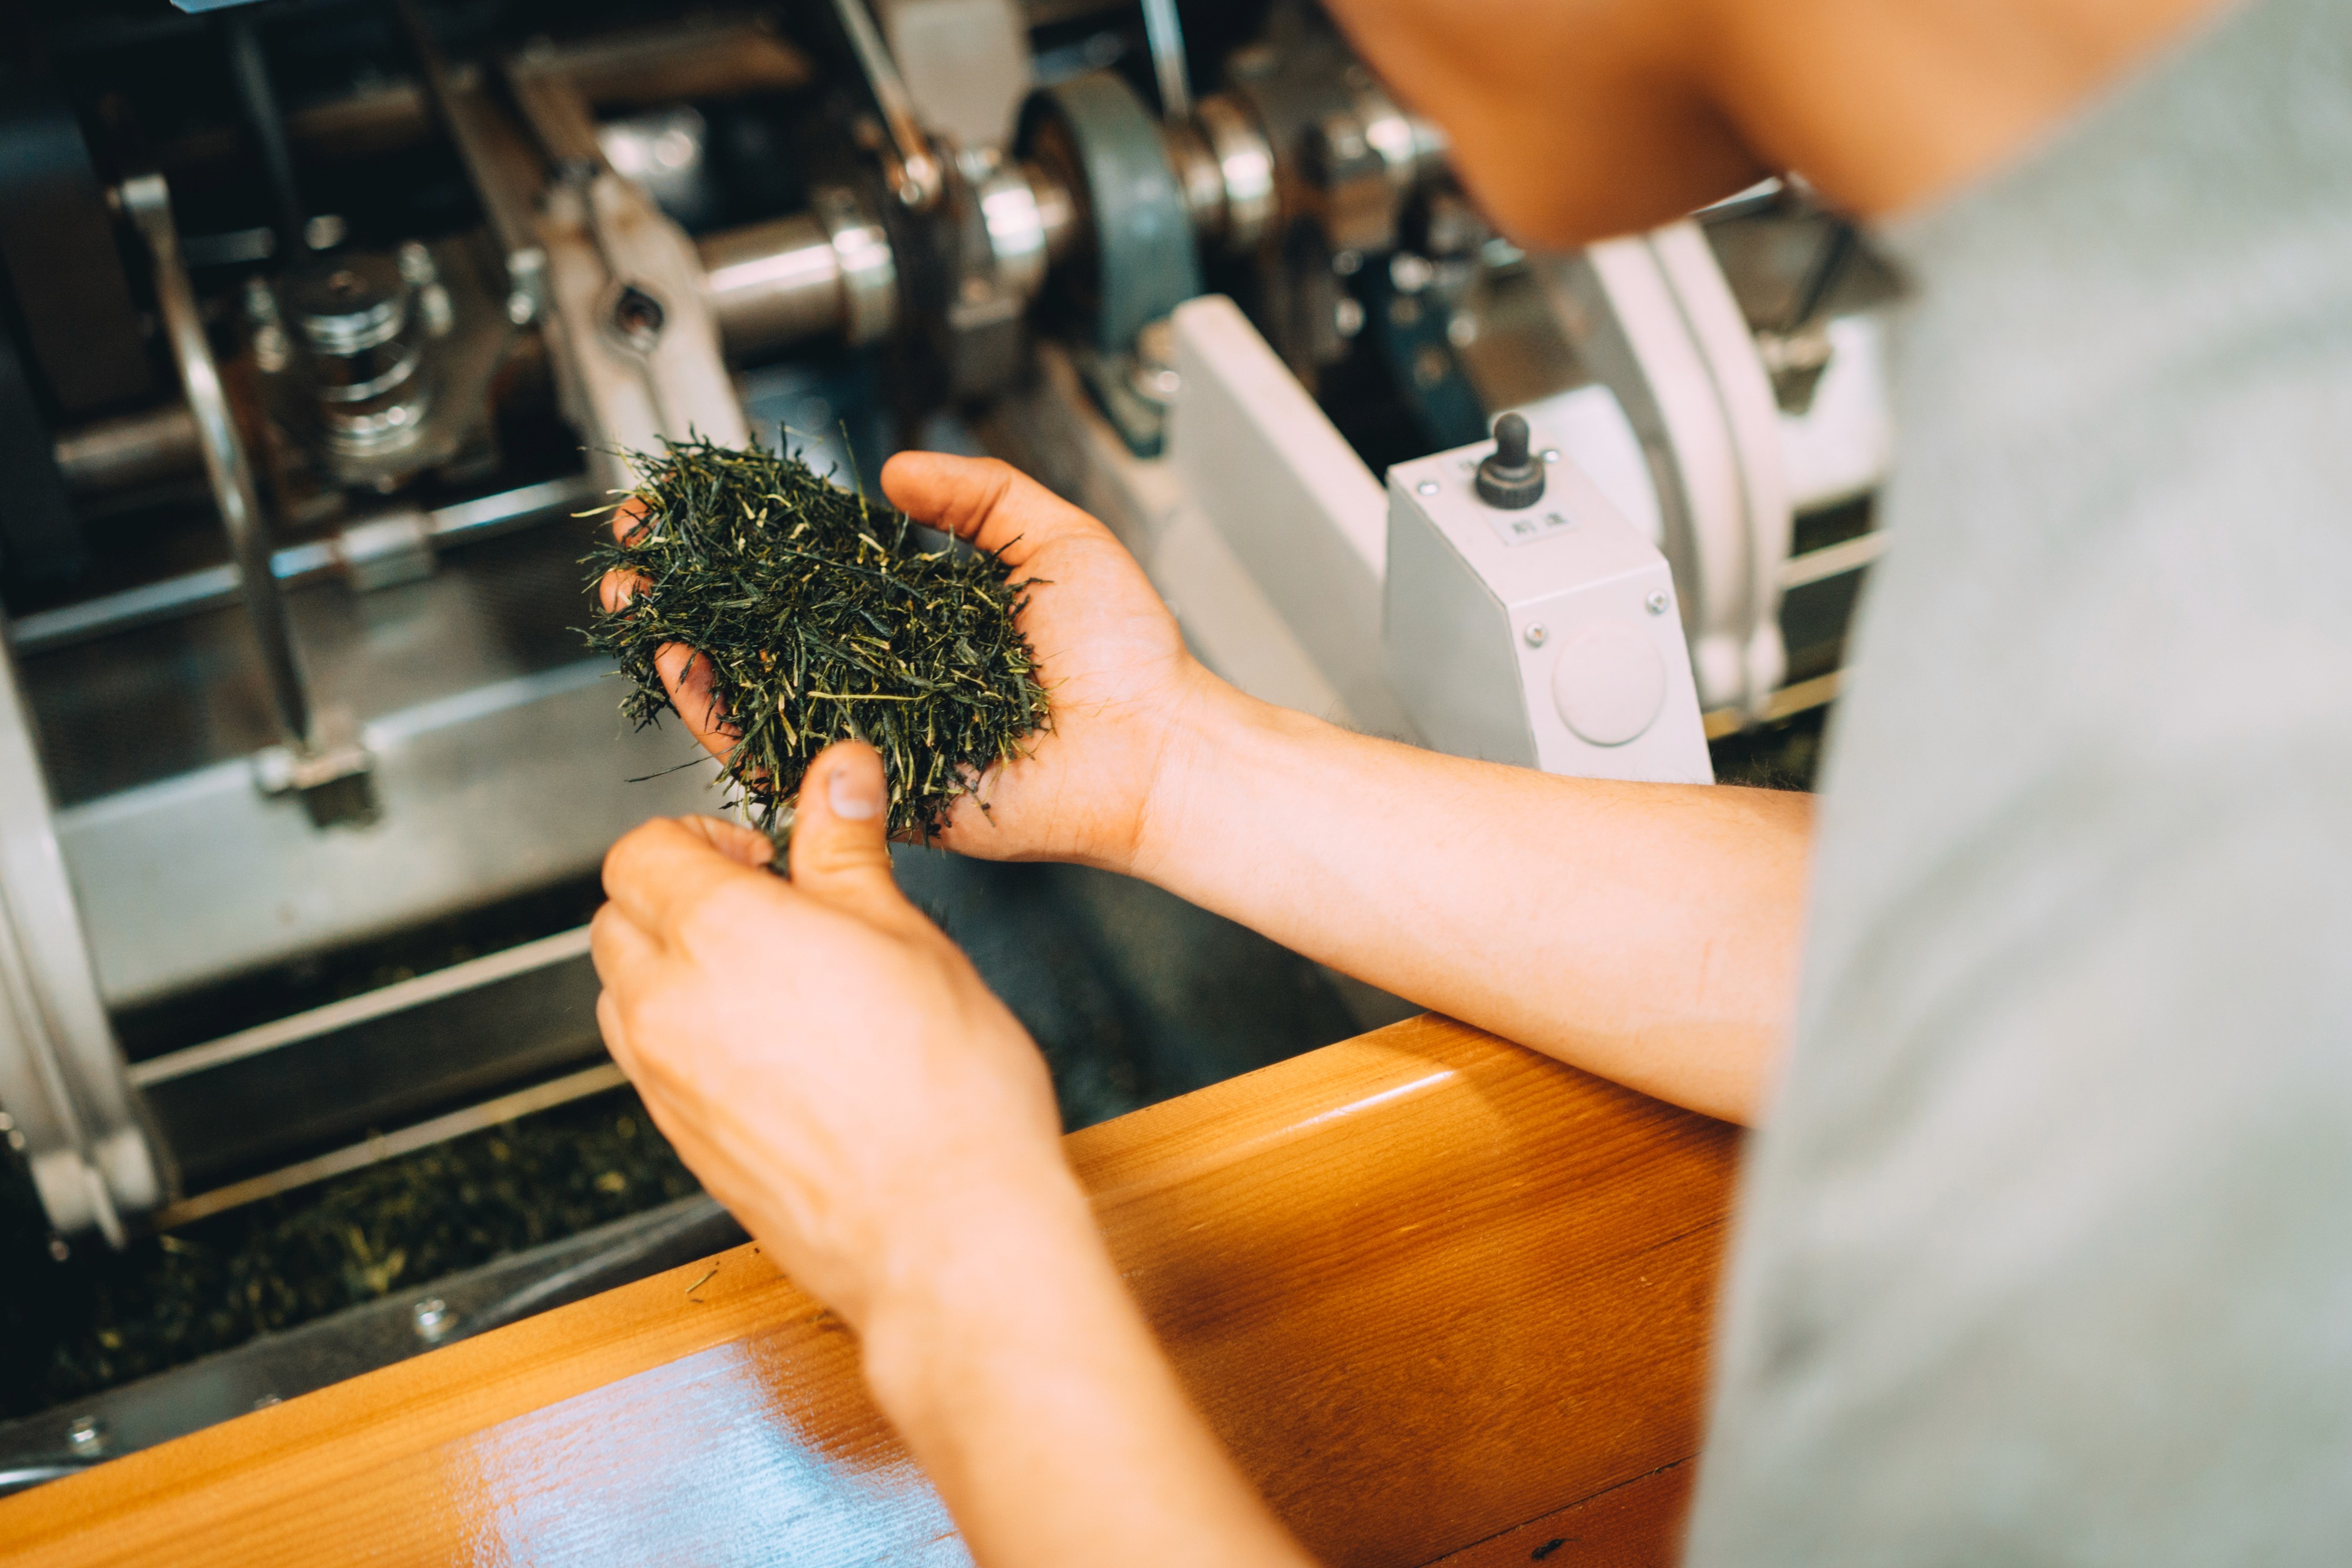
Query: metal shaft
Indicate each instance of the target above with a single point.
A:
(153, 446)
(773, 284)
(268, 127)
(1165, 35)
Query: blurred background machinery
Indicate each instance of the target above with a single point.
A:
(324, 322)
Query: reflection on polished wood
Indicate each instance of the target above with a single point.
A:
(1443, 1298)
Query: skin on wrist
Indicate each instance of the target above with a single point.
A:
(972, 1280)
(978, 1252)
(1200, 737)
(1017, 1369)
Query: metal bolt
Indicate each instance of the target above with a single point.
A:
(1552, 453)
(417, 264)
(433, 303)
(1348, 316)
(1536, 634)
(1656, 603)
(1156, 383)
(270, 351)
(637, 318)
(521, 307)
(1427, 486)
(86, 1437)
(260, 304)
(432, 1319)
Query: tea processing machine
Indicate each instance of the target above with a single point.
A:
(327, 324)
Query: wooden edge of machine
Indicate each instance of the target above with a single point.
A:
(1443, 1297)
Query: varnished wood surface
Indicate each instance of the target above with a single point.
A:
(1429, 1286)
(1637, 1525)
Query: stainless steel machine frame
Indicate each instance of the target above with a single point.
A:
(1048, 286)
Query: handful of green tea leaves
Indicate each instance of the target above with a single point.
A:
(820, 616)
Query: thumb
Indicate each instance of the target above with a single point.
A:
(985, 500)
(840, 850)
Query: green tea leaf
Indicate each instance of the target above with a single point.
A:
(821, 617)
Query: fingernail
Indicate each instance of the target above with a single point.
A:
(853, 795)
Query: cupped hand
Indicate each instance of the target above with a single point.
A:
(1126, 694)
(818, 1052)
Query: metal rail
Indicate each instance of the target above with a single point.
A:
(382, 1002)
(466, 522)
(1786, 703)
(1832, 560)
(391, 1146)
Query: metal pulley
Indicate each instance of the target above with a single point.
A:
(1095, 138)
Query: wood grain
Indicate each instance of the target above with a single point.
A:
(1637, 1525)
(1428, 1286)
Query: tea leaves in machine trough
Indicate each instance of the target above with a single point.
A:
(820, 616)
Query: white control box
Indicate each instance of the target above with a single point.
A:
(1546, 635)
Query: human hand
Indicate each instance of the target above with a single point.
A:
(819, 1053)
(833, 1069)
(1128, 700)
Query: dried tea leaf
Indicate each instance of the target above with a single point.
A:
(821, 617)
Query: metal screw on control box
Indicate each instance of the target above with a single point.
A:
(1513, 477)
(1536, 634)
(1656, 604)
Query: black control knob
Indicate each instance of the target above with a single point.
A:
(1514, 476)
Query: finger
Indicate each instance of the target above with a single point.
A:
(628, 517)
(616, 1039)
(687, 677)
(840, 850)
(662, 870)
(989, 502)
(684, 677)
(617, 949)
(747, 846)
(616, 588)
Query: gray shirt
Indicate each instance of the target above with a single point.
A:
(2045, 1252)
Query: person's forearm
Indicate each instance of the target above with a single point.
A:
(1647, 933)
(1027, 1384)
